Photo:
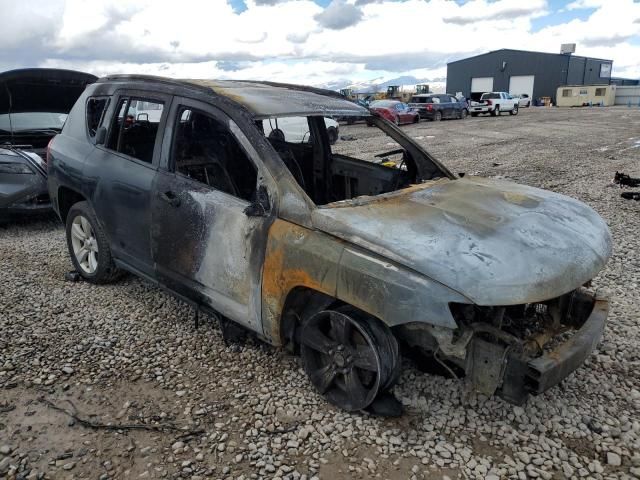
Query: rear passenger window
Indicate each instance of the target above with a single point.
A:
(95, 111)
(135, 128)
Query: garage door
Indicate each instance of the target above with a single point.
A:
(520, 84)
(481, 84)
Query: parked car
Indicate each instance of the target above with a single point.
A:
(394, 111)
(23, 183)
(439, 106)
(523, 100)
(33, 107)
(494, 103)
(337, 258)
(297, 130)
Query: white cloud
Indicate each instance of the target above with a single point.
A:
(339, 15)
(299, 41)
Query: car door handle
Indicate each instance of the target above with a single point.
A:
(170, 198)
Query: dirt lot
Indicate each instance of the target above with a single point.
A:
(127, 354)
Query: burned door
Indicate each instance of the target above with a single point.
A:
(209, 230)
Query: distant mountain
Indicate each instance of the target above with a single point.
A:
(379, 84)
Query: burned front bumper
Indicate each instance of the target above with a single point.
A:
(523, 376)
(515, 351)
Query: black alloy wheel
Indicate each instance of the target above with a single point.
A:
(349, 357)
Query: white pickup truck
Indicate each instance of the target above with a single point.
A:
(494, 103)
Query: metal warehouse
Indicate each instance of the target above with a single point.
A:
(536, 74)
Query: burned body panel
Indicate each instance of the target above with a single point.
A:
(495, 242)
(265, 99)
(391, 292)
(295, 257)
(209, 246)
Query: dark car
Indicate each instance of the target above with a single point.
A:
(34, 104)
(340, 253)
(439, 106)
(23, 183)
(394, 111)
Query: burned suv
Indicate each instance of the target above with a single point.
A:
(349, 254)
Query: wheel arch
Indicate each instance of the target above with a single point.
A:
(66, 198)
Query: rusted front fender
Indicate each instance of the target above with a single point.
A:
(300, 257)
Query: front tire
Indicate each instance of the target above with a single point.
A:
(463, 114)
(349, 357)
(514, 111)
(88, 246)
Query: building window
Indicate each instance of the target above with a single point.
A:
(605, 70)
(566, 92)
(584, 92)
(600, 92)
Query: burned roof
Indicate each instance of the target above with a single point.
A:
(268, 99)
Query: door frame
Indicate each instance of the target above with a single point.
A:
(264, 177)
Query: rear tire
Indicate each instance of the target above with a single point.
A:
(437, 116)
(496, 111)
(88, 246)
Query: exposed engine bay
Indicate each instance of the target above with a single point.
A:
(516, 350)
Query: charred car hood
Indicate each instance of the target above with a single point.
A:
(41, 90)
(495, 242)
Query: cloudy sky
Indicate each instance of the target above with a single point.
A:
(306, 41)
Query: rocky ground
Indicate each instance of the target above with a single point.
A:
(126, 354)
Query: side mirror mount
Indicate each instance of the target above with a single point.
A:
(261, 206)
(101, 135)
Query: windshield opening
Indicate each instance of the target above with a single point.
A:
(335, 160)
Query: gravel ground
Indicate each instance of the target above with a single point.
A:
(128, 354)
